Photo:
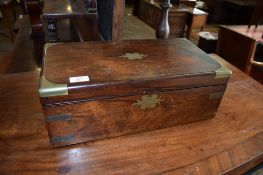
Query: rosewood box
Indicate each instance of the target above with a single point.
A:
(97, 90)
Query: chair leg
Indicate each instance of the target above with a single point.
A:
(38, 41)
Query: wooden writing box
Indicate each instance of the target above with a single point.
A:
(126, 87)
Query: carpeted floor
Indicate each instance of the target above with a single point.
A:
(134, 28)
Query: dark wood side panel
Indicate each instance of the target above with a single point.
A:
(106, 118)
(34, 9)
(227, 47)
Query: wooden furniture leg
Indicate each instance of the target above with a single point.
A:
(34, 11)
(24, 7)
(111, 19)
(251, 55)
(195, 21)
(91, 5)
(117, 21)
(52, 31)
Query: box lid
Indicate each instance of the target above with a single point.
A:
(73, 71)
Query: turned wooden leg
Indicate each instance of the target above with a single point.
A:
(91, 5)
(164, 29)
(52, 31)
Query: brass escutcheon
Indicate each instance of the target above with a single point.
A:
(148, 102)
(133, 56)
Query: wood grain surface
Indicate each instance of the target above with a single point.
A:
(106, 62)
(105, 118)
(230, 140)
(164, 66)
(124, 82)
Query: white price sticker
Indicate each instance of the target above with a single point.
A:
(78, 79)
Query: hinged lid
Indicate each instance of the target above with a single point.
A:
(103, 70)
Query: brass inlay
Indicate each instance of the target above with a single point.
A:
(223, 72)
(148, 102)
(133, 56)
(47, 45)
(49, 89)
(61, 139)
(58, 118)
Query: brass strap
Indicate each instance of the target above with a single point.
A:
(61, 139)
(58, 118)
